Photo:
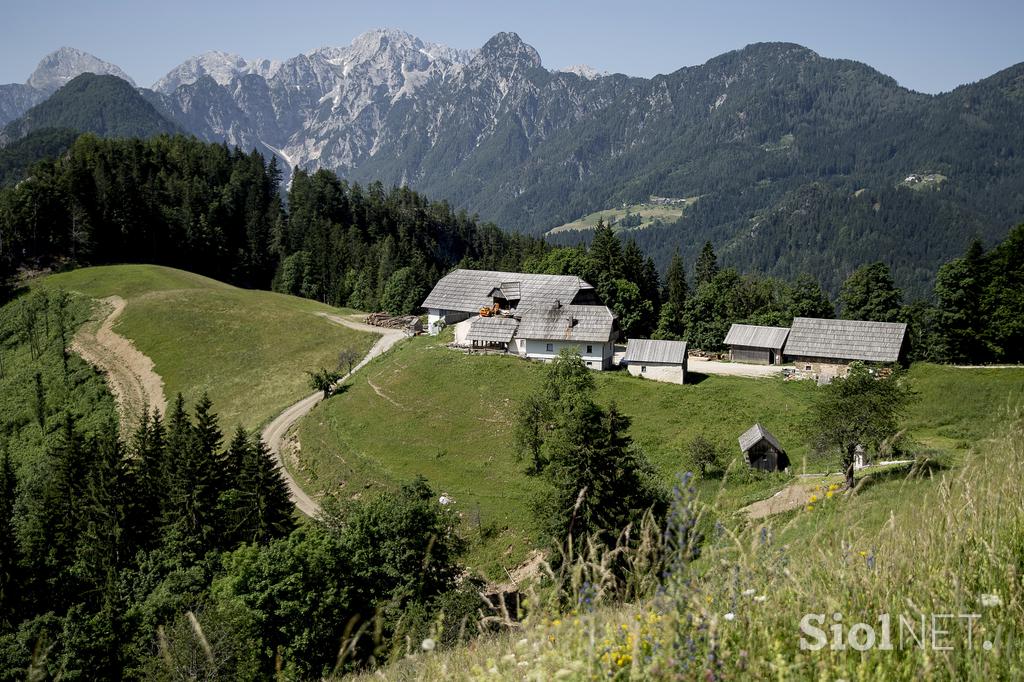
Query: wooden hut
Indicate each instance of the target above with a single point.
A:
(762, 450)
(756, 344)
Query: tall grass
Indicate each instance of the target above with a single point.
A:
(946, 567)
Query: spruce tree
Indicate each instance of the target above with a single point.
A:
(264, 507)
(707, 265)
(671, 320)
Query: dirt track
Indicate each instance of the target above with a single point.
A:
(793, 496)
(277, 431)
(130, 375)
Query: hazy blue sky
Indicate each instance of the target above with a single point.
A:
(928, 46)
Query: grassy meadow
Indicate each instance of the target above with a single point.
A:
(248, 349)
(944, 569)
(424, 409)
(649, 213)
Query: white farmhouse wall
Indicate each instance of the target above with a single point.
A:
(598, 358)
(437, 319)
(462, 332)
(672, 374)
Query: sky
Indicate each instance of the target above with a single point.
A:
(926, 46)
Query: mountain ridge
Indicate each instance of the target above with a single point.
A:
(497, 133)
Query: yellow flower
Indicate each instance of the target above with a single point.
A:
(814, 498)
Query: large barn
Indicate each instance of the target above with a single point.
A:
(813, 340)
(534, 316)
(461, 294)
(657, 359)
(756, 344)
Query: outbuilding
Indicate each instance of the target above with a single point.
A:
(762, 450)
(657, 359)
(756, 344)
(839, 342)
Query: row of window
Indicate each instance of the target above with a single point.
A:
(550, 348)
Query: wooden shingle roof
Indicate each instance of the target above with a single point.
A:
(756, 336)
(846, 339)
(655, 351)
(754, 435)
(469, 290)
(492, 329)
(593, 323)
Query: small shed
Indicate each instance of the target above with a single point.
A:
(657, 359)
(492, 332)
(762, 450)
(756, 344)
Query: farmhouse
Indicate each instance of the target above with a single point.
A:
(658, 360)
(755, 344)
(813, 340)
(590, 329)
(462, 294)
(533, 316)
(762, 450)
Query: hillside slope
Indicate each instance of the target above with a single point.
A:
(248, 349)
(427, 410)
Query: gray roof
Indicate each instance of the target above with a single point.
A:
(756, 434)
(655, 351)
(568, 323)
(469, 290)
(756, 337)
(846, 339)
(492, 329)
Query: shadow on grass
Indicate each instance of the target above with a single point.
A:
(922, 467)
(695, 377)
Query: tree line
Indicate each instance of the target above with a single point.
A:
(219, 212)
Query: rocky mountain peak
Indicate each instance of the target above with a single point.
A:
(510, 48)
(60, 66)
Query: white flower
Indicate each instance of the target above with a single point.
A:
(428, 644)
(730, 616)
(760, 597)
(444, 500)
(749, 593)
(991, 600)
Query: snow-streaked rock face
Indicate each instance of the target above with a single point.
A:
(222, 67)
(60, 66)
(584, 71)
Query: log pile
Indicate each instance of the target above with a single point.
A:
(405, 322)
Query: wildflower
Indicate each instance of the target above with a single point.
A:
(814, 498)
(760, 598)
(730, 616)
(829, 494)
(810, 507)
(428, 644)
(991, 600)
(748, 593)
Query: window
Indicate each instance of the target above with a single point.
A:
(590, 350)
(550, 348)
(590, 364)
(643, 368)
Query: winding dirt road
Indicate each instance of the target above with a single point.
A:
(130, 374)
(276, 432)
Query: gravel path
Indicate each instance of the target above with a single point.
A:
(276, 432)
(731, 368)
(130, 374)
